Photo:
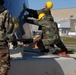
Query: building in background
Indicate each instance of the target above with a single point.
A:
(65, 13)
(64, 27)
(66, 19)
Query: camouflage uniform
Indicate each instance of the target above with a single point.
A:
(35, 13)
(6, 29)
(50, 34)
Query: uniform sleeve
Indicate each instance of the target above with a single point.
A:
(32, 13)
(32, 21)
(39, 22)
(35, 21)
(8, 24)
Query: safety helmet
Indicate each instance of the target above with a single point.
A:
(2, 2)
(41, 15)
(49, 4)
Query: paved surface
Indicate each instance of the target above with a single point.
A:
(71, 46)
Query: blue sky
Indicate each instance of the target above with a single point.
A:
(58, 4)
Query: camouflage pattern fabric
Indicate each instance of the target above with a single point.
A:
(6, 26)
(50, 30)
(6, 29)
(4, 60)
(44, 27)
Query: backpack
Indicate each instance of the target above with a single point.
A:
(2, 24)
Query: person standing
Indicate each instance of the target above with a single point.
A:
(6, 29)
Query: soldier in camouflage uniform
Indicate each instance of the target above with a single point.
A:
(6, 29)
(46, 10)
(34, 13)
(50, 32)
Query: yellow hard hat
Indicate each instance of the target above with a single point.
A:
(49, 4)
(41, 15)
